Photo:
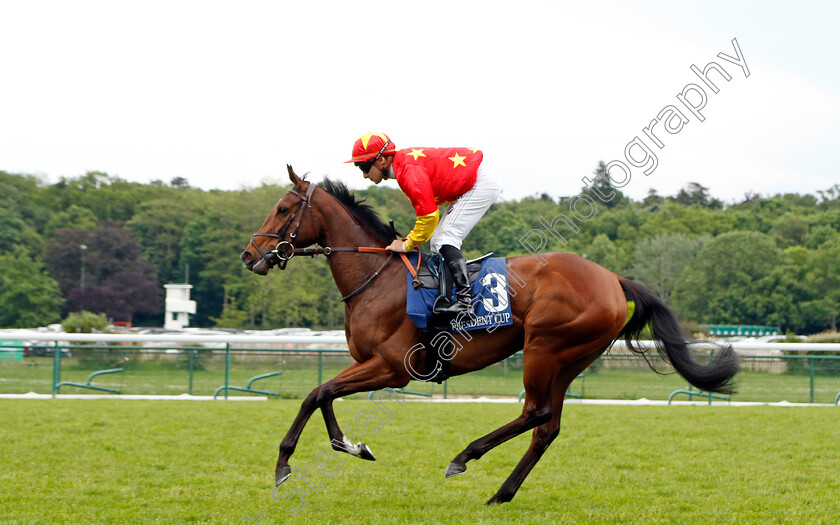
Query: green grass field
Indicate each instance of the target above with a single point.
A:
(113, 461)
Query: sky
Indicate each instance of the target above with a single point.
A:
(226, 94)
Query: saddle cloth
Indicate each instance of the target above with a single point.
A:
(491, 300)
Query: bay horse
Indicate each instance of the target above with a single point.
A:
(566, 315)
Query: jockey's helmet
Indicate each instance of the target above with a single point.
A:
(370, 146)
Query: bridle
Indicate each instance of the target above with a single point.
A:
(285, 250)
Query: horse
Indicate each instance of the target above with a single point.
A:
(568, 313)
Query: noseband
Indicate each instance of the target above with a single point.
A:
(285, 250)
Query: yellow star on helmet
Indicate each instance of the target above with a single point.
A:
(416, 153)
(366, 138)
(457, 160)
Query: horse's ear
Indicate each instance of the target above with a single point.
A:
(292, 176)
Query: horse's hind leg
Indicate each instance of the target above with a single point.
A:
(544, 434)
(536, 411)
(542, 437)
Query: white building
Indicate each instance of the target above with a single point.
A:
(178, 306)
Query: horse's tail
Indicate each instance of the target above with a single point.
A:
(672, 344)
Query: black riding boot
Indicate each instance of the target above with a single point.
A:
(444, 290)
(463, 290)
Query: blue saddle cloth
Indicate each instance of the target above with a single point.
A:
(490, 299)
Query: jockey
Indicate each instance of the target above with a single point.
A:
(429, 177)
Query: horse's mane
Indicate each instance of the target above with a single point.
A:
(364, 213)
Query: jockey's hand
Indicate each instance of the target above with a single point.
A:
(396, 246)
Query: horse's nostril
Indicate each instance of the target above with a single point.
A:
(246, 256)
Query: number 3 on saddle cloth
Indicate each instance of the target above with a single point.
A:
(491, 300)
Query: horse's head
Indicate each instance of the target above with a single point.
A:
(285, 229)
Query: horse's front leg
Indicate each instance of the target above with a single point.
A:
(338, 440)
(287, 446)
(358, 377)
(373, 374)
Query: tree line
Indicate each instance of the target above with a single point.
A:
(102, 244)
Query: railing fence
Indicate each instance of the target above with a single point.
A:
(770, 369)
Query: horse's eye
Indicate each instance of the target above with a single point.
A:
(282, 210)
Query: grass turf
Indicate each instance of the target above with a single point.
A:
(110, 461)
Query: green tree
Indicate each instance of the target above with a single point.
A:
(602, 191)
(110, 198)
(29, 297)
(723, 283)
(604, 252)
(15, 231)
(211, 243)
(697, 194)
(653, 200)
(302, 295)
(498, 232)
(830, 197)
(23, 194)
(12, 230)
(659, 261)
(790, 229)
(391, 204)
(619, 224)
(819, 235)
(232, 316)
(823, 281)
(84, 322)
(180, 183)
(159, 227)
(782, 299)
(667, 220)
(673, 219)
(75, 216)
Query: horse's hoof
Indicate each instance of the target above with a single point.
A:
(454, 469)
(495, 499)
(365, 453)
(281, 475)
(360, 450)
(499, 498)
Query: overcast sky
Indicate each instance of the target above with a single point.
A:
(226, 94)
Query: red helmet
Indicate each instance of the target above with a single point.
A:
(371, 146)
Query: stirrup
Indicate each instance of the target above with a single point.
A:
(461, 305)
(441, 304)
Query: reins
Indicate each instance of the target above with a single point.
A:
(326, 250)
(285, 250)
